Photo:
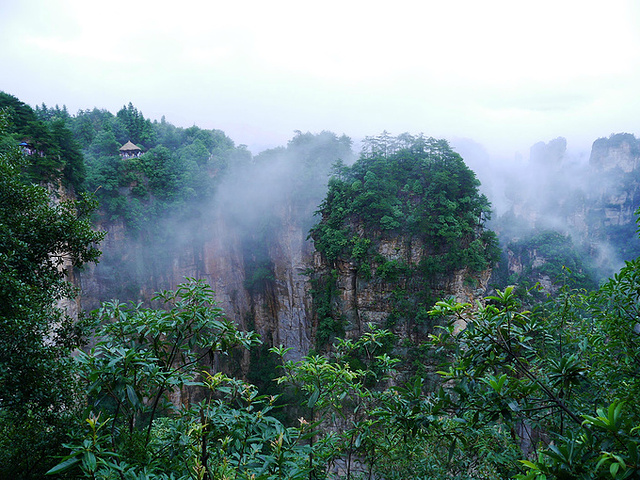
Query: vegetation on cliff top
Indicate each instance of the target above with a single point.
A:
(176, 169)
(53, 152)
(411, 189)
(412, 186)
(547, 257)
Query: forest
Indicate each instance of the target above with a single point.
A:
(516, 380)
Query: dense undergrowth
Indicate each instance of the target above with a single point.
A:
(528, 393)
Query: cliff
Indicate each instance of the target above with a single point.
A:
(401, 229)
(250, 243)
(248, 239)
(131, 270)
(591, 205)
(395, 235)
(619, 151)
(397, 295)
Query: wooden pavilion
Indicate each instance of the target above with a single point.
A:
(130, 150)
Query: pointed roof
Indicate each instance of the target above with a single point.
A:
(129, 147)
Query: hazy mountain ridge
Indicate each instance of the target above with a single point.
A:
(195, 205)
(591, 207)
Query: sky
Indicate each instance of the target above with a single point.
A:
(505, 73)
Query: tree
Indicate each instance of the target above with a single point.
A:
(69, 149)
(410, 191)
(58, 154)
(339, 399)
(135, 431)
(543, 375)
(140, 130)
(42, 239)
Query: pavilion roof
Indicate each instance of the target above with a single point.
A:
(127, 147)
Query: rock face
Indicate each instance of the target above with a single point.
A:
(281, 310)
(280, 304)
(618, 151)
(250, 243)
(246, 235)
(71, 306)
(615, 187)
(132, 270)
(400, 230)
(397, 300)
(292, 256)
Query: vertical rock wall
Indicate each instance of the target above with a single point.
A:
(375, 300)
(595, 204)
(132, 270)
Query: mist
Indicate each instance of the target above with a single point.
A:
(260, 199)
(589, 195)
(232, 235)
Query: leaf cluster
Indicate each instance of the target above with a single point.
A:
(541, 373)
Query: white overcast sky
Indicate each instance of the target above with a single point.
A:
(505, 73)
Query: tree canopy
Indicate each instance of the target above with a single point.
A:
(415, 185)
(55, 153)
(531, 392)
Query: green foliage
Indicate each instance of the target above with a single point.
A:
(360, 247)
(230, 435)
(258, 266)
(142, 357)
(516, 398)
(330, 322)
(542, 372)
(74, 171)
(56, 155)
(42, 240)
(260, 276)
(172, 183)
(139, 129)
(159, 350)
(422, 188)
(616, 352)
(390, 270)
(332, 389)
(180, 167)
(553, 255)
(555, 387)
(246, 442)
(264, 366)
(396, 431)
(411, 194)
